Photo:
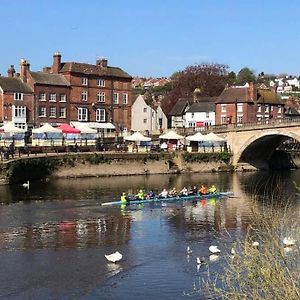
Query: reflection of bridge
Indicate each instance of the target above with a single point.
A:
(254, 144)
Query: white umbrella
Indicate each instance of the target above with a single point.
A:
(10, 128)
(46, 128)
(85, 128)
(137, 137)
(211, 137)
(171, 135)
(197, 137)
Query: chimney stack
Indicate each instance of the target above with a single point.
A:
(24, 69)
(252, 91)
(102, 62)
(11, 71)
(56, 63)
(196, 94)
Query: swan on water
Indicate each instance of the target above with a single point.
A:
(189, 250)
(255, 244)
(233, 252)
(214, 257)
(214, 249)
(26, 184)
(288, 241)
(114, 257)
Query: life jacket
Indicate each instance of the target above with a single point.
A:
(123, 198)
(203, 190)
(212, 189)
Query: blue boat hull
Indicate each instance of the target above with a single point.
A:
(169, 199)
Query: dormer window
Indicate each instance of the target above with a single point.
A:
(84, 81)
(18, 96)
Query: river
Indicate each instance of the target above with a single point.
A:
(53, 236)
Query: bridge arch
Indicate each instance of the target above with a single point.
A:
(258, 149)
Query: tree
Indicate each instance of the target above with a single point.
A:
(231, 78)
(245, 75)
(211, 78)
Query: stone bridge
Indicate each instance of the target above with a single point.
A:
(256, 144)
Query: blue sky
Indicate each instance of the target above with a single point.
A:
(154, 37)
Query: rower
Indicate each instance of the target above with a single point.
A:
(173, 192)
(212, 189)
(140, 195)
(163, 194)
(150, 195)
(123, 197)
(203, 190)
(193, 191)
(184, 192)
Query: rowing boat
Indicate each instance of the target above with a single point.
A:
(169, 199)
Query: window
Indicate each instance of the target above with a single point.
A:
(100, 115)
(62, 98)
(193, 115)
(240, 107)
(145, 121)
(258, 108)
(52, 97)
(272, 107)
(116, 84)
(42, 96)
(207, 115)
(266, 108)
(84, 81)
(62, 112)
(223, 107)
(101, 97)
(84, 95)
(101, 82)
(145, 109)
(52, 113)
(18, 96)
(279, 109)
(240, 119)
(20, 125)
(20, 112)
(223, 120)
(116, 98)
(82, 114)
(125, 98)
(42, 111)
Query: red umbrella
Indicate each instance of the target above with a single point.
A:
(66, 128)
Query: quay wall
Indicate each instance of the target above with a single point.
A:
(74, 165)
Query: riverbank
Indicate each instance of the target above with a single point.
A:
(74, 165)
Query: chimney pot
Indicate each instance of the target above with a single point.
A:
(102, 62)
(56, 66)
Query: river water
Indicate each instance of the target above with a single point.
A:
(53, 236)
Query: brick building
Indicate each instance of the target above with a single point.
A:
(237, 105)
(16, 101)
(99, 93)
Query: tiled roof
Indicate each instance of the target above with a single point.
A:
(230, 95)
(14, 84)
(49, 79)
(93, 70)
(180, 106)
(268, 97)
(202, 107)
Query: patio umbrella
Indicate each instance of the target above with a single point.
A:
(84, 128)
(171, 135)
(197, 137)
(46, 128)
(212, 137)
(137, 137)
(10, 128)
(66, 128)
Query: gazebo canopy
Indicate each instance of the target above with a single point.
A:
(46, 128)
(85, 128)
(212, 137)
(197, 137)
(66, 128)
(10, 128)
(137, 137)
(171, 135)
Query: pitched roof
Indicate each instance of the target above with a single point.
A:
(202, 107)
(268, 97)
(14, 84)
(49, 79)
(89, 69)
(180, 106)
(232, 94)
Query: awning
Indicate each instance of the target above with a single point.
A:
(137, 137)
(46, 128)
(10, 128)
(171, 135)
(95, 125)
(66, 128)
(199, 124)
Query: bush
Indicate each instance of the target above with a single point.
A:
(206, 157)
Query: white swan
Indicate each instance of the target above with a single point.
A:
(26, 184)
(288, 241)
(189, 250)
(233, 252)
(114, 257)
(255, 244)
(214, 257)
(214, 249)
